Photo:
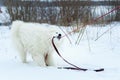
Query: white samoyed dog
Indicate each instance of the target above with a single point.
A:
(35, 38)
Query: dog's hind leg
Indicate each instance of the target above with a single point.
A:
(22, 54)
(21, 51)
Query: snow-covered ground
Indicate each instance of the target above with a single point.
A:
(94, 51)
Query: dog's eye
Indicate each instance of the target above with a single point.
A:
(56, 32)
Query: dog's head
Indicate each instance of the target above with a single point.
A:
(57, 34)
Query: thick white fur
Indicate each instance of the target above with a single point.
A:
(35, 39)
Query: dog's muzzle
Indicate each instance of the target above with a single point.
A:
(59, 36)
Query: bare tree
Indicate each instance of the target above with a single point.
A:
(63, 12)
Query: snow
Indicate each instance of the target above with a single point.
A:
(4, 16)
(95, 50)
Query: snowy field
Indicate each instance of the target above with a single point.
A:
(94, 51)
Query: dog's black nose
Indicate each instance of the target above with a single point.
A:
(59, 36)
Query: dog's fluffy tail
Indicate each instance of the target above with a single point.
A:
(15, 36)
(15, 28)
(16, 25)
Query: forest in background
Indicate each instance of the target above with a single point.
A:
(62, 12)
